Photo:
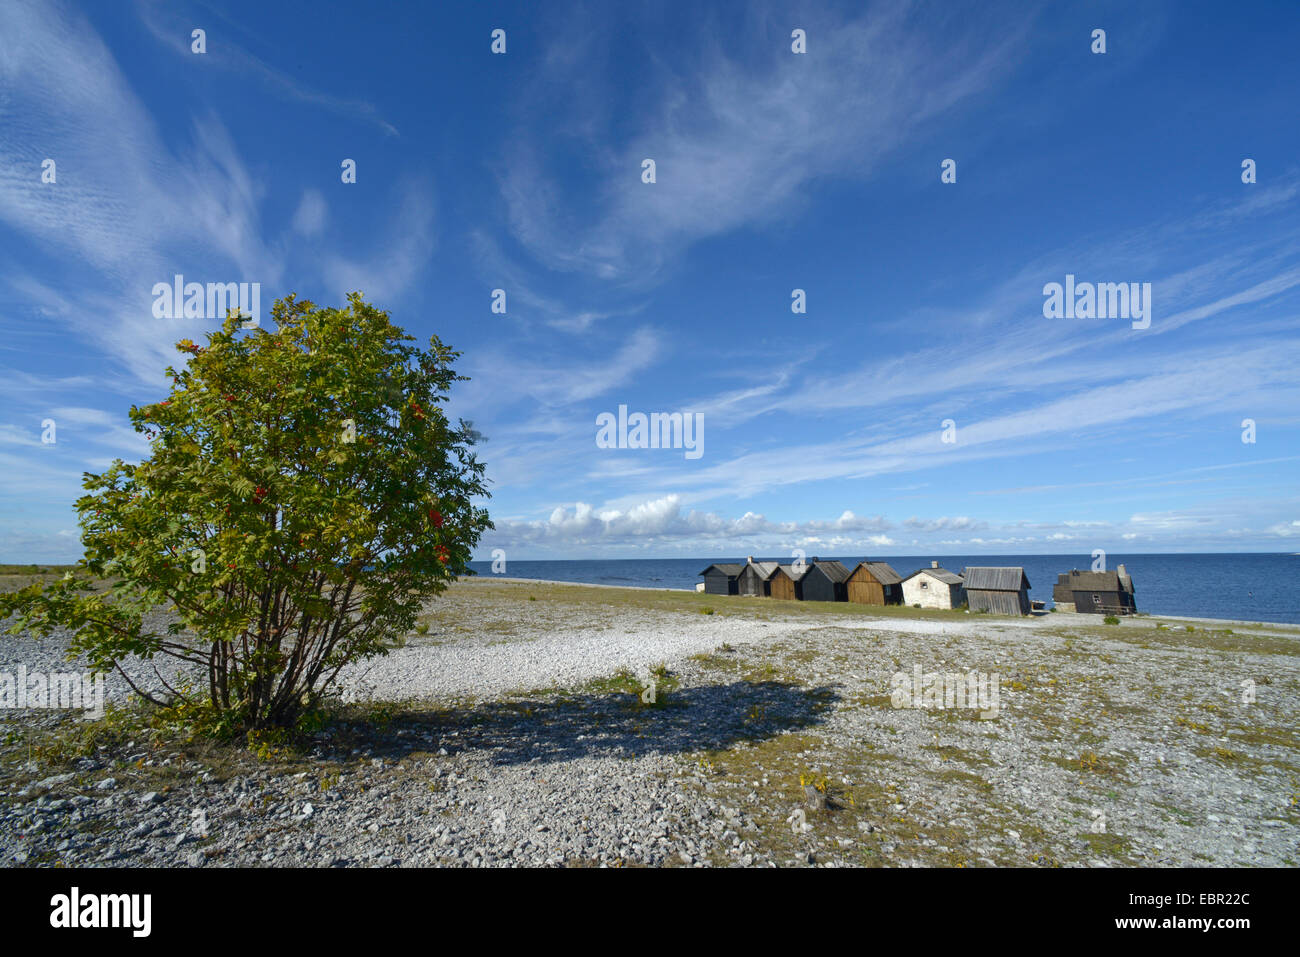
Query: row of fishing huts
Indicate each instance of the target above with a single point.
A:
(1002, 590)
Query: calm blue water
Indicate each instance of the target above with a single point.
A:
(1251, 587)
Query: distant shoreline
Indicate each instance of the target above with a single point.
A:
(1056, 616)
(553, 581)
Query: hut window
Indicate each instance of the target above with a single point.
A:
(1096, 599)
(925, 584)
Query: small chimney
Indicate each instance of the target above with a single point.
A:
(1122, 572)
(749, 560)
(934, 564)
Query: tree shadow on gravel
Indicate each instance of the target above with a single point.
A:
(580, 725)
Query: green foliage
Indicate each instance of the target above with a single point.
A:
(270, 744)
(79, 739)
(622, 680)
(1110, 620)
(665, 683)
(304, 495)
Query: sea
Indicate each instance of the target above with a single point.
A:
(1244, 586)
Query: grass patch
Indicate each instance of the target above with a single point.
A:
(1089, 762)
(1110, 845)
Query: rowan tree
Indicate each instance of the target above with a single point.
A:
(304, 496)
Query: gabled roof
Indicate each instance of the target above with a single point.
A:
(833, 570)
(880, 571)
(728, 569)
(945, 576)
(795, 573)
(995, 578)
(1075, 580)
(764, 570)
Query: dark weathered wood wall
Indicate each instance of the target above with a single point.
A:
(750, 583)
(998, 602)
(718, 583)
(818, 587)
(1107, 603)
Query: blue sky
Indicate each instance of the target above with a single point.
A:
(775, 171)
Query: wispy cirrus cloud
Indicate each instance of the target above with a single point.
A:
(1204, 381)
(136, 208)
(737, 142)
(124, 203)
(174, 31)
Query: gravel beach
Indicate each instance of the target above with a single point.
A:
(517, 729)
